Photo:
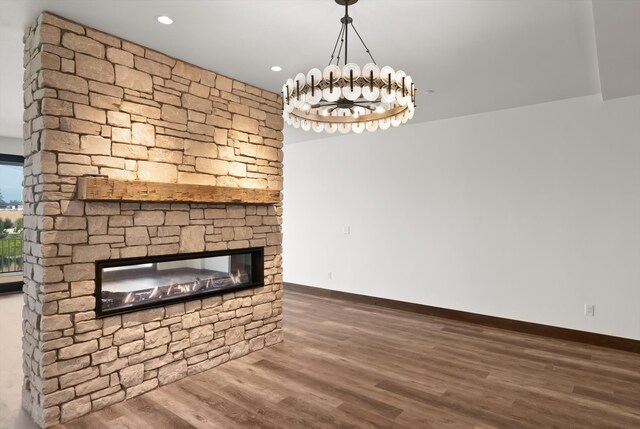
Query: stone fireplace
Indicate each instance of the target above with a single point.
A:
(97, 106)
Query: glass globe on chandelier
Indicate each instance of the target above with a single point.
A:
(348, 98)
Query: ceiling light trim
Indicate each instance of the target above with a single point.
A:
(164, 19)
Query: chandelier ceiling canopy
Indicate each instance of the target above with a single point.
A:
(348, 98)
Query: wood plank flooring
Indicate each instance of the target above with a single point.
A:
(346, 365)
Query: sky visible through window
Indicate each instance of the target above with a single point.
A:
(11, 182)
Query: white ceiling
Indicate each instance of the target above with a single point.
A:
(478, 55)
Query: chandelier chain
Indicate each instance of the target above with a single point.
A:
(336, 45)
(347, 20)
(343, 38)
(344, 28)
(363, 44)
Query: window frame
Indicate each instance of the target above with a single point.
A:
(7, 159)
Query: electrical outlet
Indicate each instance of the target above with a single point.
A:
(589, 310)
(330, 275)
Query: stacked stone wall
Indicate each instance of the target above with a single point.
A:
(99, 105)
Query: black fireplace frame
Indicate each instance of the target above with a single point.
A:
(257, 273)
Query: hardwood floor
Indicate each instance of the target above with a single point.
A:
(346, 365)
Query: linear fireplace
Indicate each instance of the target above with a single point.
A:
(131, 284)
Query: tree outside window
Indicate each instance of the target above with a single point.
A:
(11, 223)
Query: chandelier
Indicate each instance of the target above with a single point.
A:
(348, 98)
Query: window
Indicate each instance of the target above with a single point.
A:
(11, 223)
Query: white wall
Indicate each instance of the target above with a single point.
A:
(217, 263)
(525, 213)
(188, 263)
(11, 146)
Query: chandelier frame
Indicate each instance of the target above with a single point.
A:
(348, 98)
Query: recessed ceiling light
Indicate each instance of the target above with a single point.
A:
(164, 20)
(276, 68)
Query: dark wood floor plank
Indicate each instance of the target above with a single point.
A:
(369, 420)
(286, 387)
(348, 365)
(336, 389)
(266, 408)
(91, 421)
(156, 412)
(201, 414)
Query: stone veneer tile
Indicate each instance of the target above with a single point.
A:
(97, 104)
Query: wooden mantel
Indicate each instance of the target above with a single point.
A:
(105, 189)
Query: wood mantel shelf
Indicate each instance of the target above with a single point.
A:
(105, 189)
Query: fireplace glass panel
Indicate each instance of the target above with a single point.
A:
(144, 284)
